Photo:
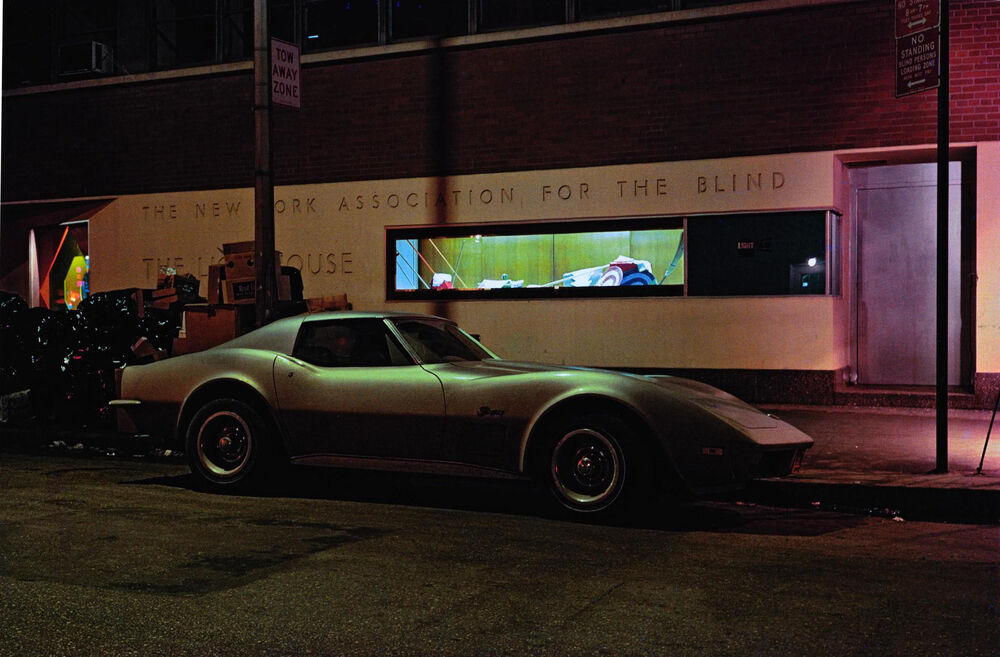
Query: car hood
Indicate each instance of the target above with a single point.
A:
(718, 401)
(700, 394)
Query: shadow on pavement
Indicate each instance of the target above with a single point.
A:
(523, 498)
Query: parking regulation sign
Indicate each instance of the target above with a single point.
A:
(917, 62)
(916, 15)
(918, 46)
(286, 87)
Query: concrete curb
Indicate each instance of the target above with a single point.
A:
(907, 499)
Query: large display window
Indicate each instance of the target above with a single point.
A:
(577, 259)
(747, 254)
(63, 265)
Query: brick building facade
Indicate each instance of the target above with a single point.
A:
(776, 80)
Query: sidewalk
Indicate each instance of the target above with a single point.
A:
(882, 459)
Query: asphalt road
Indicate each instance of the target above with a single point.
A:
(109, 557)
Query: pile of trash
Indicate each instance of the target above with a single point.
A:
(58, 367)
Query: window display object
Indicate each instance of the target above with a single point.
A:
(563, 258)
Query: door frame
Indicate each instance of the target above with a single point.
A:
(967, 268)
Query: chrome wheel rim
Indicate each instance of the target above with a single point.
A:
(224, 444)
(586, 469)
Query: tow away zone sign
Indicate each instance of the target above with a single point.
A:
(286, 87)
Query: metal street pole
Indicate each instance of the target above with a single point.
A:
(941, 397)
(263, 178)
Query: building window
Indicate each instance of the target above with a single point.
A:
(27, 43)
(507, 14)
(48, 41)
(760, 254)
(578, 259)
(281, 20)
(87, 32)
(61, 275)
(89, 20)
(775, 253)
(602, 8)
(185, 33)
(413, 19)
(339, 23)
(698, 4)
(191, 32)
(235, 29)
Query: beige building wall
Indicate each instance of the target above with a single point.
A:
(335, 234)
(988, 257)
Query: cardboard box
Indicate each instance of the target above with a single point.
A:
(239, 259)
(140, 302)
(284, 287)
(328, 302)
(145, 351)
(216, 274)
(237, 247)
(207, 326)
(164, 303)
(240, 265)
(187, 285)
(239, 290)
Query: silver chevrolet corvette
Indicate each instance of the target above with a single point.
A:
(408, 392)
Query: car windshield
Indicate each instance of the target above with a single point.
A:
(440, 341)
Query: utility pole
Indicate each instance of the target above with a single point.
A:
(263, 178)
(941, 397)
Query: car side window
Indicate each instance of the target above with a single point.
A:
(348, 343)
(439, 342)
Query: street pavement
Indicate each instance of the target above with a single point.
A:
(112, 557)
(874, 460)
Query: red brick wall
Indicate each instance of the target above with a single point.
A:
(975, 70)
(803, 79)
(134, 138)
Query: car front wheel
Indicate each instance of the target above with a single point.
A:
(586, 467)
(226, 444)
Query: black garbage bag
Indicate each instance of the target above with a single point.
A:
(49, 338)
(160, 327)
(110, 308)
(88, 385)
(112, 325)
(10, 306)
(113, 319)
(67, 359)
(15, 362)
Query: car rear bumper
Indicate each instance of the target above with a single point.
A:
(137, 417)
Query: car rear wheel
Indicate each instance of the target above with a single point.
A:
(587, 464)
(226, 444)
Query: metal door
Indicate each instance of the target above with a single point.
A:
(895, 310)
